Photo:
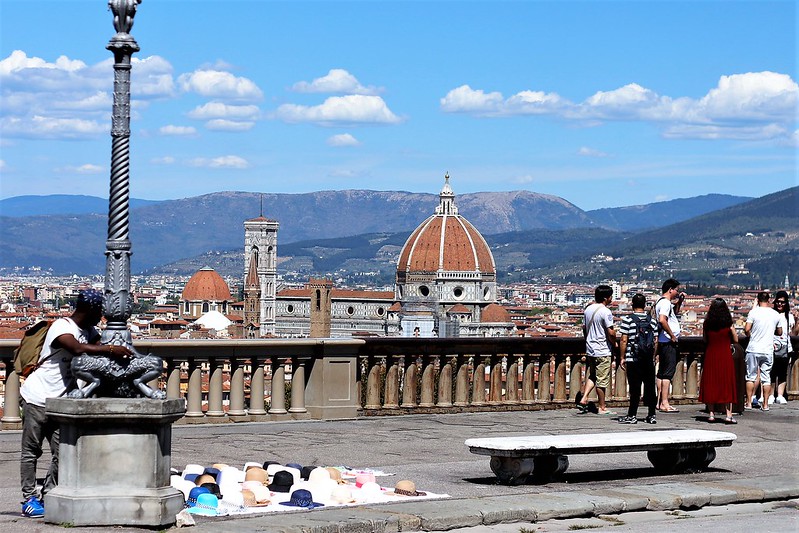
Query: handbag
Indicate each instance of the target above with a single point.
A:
(780, 350)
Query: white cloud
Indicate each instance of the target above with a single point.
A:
(220, 124)
(166, 160)
(336, 81)
(87, 168)
(226, 161)
(349, 109)
(171, 129)
(591, 152)
(749, 106)
(219, 84)
(75, 98)
(343, 139)
(213, 110)
(2, 164)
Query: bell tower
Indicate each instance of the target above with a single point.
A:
(260, 254)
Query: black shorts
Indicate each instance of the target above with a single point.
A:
(779, 370)
(667, 360)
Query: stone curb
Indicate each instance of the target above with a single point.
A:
(443, 515)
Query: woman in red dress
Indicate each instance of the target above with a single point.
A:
(718, 372)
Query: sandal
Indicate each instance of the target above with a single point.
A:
(730, 420)
(711, 418)
(671, 409)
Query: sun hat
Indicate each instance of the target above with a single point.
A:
(364, 477)
(232, 497)
(230, 475)
(407, 487)
(342, 494)
(295, 472)
(256, 473)
(335, 475)
(370, 492)
(204, 478)
(249, 464)
(182, 485)
(211, 471)
(193, 469)
(282, 481)
(207, 504)
(262, 495)
(302, 498)
(305, 471)
(219, 466)
(191, 501)
(318, 474)
(294, 465)
(248, 485)
(213, 488)
(267, 463)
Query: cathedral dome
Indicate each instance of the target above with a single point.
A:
(495, 313)
(446, 243)
(206, 285)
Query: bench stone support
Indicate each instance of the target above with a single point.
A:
(511, 470)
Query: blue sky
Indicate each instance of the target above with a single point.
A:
(602, 103)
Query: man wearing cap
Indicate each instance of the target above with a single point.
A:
(67, 337)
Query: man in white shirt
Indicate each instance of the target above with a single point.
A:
(666, 309)
(762, 324)
(600, 339)
(66, 338)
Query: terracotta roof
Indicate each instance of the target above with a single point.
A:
(494, 313)
(446, 242)
(206, 284)
(459, 308)
(395, 307)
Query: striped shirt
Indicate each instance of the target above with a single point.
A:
(628, 328)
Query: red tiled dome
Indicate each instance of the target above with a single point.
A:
(446, 242)
(494, 313)
(206, 284)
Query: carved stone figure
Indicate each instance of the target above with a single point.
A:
(114, 378)
(124, 11)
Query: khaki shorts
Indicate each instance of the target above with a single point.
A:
(599, 370)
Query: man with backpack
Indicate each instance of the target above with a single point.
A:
(638, 344)
(66, 337)
(669, 327)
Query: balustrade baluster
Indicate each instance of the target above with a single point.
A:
(479, 381)
(462, 380)
(620, 383)
(544, 382)
(576, 376)
(560, 379)
(495, 377)
(194, 394)
(256, 387)
(236, 401)
(512, 380)
(692, 377)
(445, 383)
(528, 379)
(173, 379)
(298, 365)
(678, 383)
(409, 383)
(278, 406)
(428, 381)
(392, 383)
(373, 382)
(11, 418)
(214, 389)
(793, 374)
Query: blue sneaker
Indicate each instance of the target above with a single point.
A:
(33, 508)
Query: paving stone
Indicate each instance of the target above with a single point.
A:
(632, 501)
(503, 510)
(602, 504)
(547, 507)
(743, 489)
(777, 487)
(441, 515)
(659, 500)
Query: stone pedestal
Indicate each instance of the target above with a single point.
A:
(331, 390)
(114, 462)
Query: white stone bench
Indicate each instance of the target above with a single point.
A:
(513, 459)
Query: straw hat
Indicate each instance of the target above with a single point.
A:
(407, 487)
(205, 478)
(335, 475)
(256, 473)
(342, 494)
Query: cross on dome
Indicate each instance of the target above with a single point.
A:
(446, 203)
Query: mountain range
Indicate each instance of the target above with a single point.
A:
(363, 229)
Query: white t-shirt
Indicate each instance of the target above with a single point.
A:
(764, 321)
(665, 307)
(52, 378)
(596, 339)
(787, 326)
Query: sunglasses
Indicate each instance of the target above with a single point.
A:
(780, 302)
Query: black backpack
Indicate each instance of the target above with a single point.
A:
(644, 345)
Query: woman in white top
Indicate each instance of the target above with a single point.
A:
(782, 345)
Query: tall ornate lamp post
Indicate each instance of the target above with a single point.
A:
(117, 305)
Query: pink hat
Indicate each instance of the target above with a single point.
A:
(364, 477)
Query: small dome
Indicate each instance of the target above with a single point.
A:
(494, 313)
(206, 284)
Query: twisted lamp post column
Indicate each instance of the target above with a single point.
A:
(117, 305)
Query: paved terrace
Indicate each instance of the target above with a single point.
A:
(429, 449)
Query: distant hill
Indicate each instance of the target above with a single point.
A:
(638, 218)
(166, 231)
(60, 204)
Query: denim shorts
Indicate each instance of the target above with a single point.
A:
(763, 361)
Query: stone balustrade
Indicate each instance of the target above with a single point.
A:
(278, 379)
